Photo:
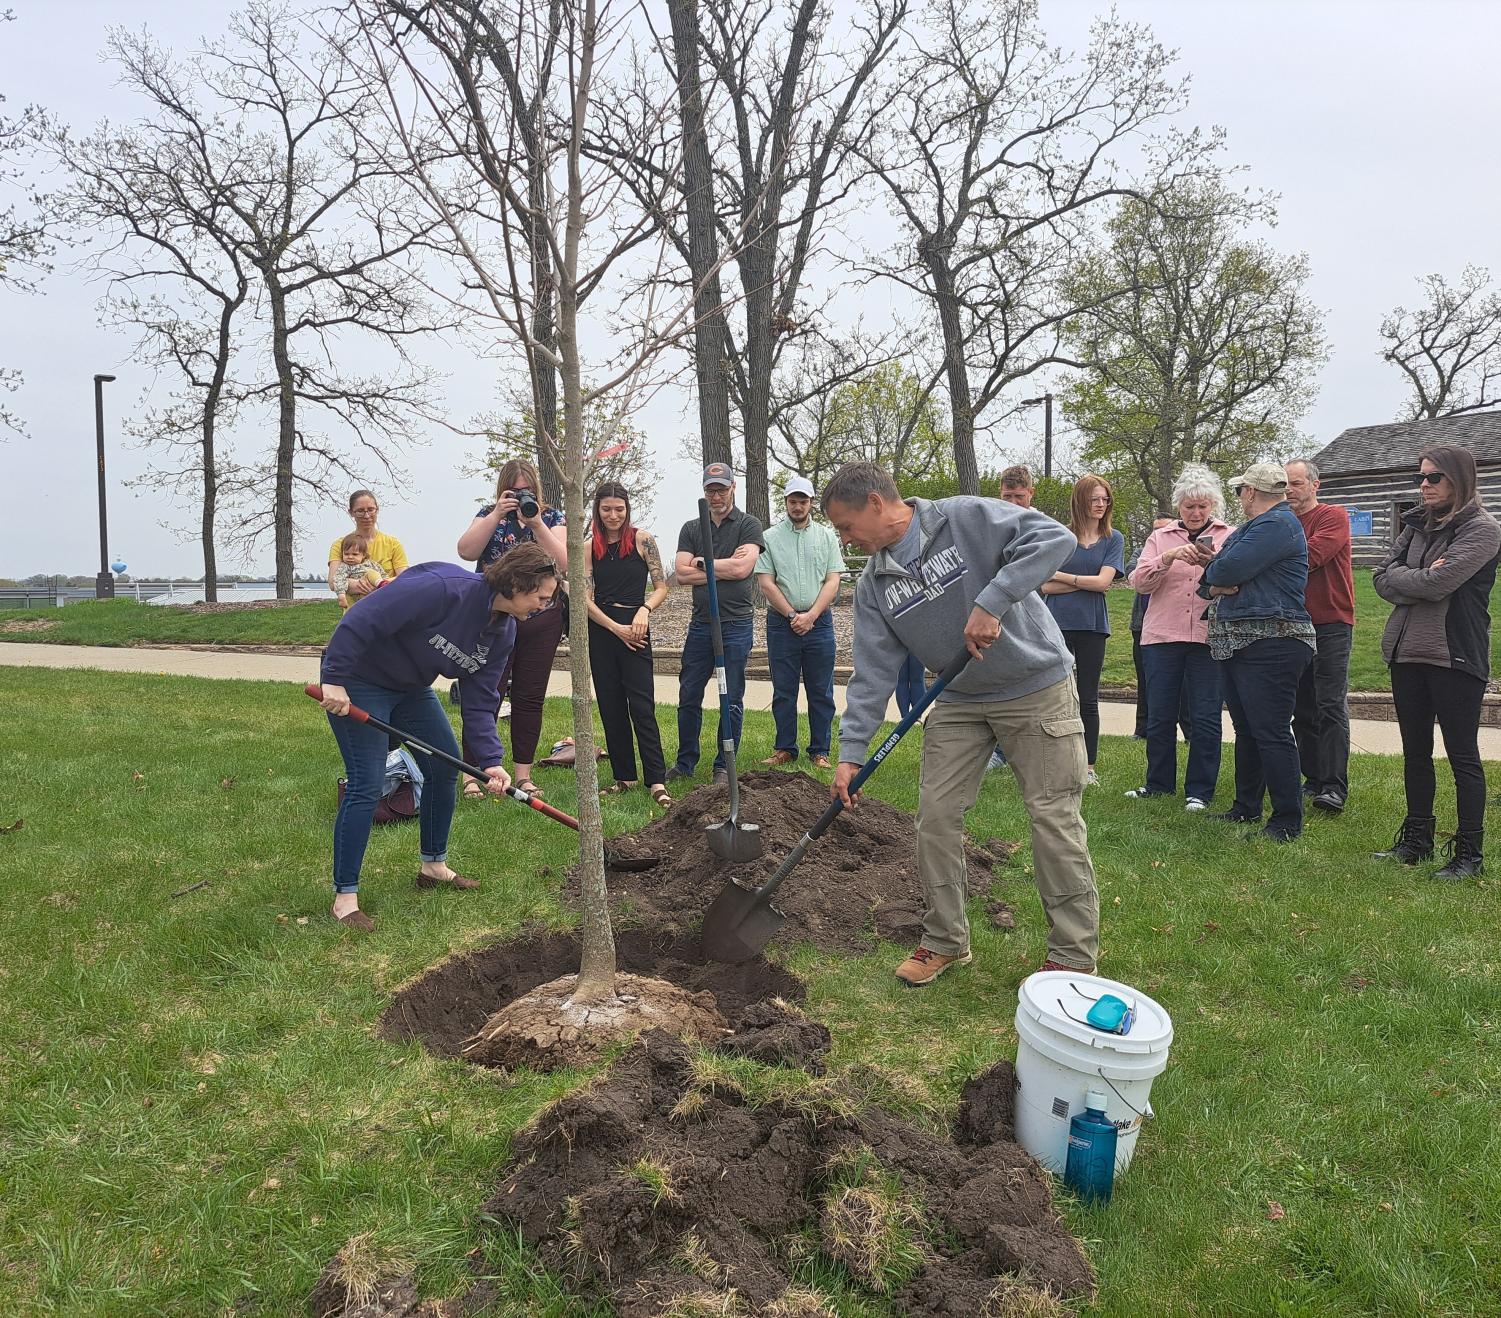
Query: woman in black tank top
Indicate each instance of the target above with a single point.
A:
(624, 564)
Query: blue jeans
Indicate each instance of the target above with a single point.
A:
(807, 661)
(1261, 684)
(909, 684)
(1175, 669)
(364, 751)
(698, 668)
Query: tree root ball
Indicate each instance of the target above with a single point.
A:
(547, 1028)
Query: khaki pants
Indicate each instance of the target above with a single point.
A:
(1042, 737)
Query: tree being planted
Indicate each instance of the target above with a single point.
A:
(460, 81)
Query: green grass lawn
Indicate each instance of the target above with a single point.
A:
(124, 622)
(194, 1113)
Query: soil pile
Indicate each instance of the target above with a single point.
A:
(861, 875)
(451, 1001)
(684, 1179)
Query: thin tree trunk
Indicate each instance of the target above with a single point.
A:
(596, 979)
(544, 332)
(210, 460)
(711, 344)
(286, 439)
(755, 410)
(961, 401)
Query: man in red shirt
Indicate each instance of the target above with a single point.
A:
(1321, 717)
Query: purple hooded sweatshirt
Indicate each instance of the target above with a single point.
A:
(434, 620)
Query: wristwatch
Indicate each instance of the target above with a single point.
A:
(792, 615)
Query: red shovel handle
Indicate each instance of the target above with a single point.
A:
(315, 692)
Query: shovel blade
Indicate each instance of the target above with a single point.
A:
(739, 925)
(736, 844)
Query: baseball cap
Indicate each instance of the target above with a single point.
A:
(798, 485)
(1268, 477)
(718, 473)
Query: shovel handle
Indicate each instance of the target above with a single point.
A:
(955, 666)
(315, 692)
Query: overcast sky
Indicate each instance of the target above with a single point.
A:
(1375, 122)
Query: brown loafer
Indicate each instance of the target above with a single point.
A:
(778, 758)
(458, 881)
(357, 920)
(820, 762)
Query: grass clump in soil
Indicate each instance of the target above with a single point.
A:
(870, 1224)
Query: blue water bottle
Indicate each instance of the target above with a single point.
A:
(1090, 1169)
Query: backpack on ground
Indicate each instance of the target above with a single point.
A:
(401, 794)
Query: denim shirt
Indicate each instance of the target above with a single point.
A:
(1268, 559)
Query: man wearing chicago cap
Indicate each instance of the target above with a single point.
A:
(737, 544)
(799, 574)
(1260, 632)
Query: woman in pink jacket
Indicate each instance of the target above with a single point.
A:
(1175, 641)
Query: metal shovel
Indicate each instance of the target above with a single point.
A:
(731, 841)
(742, 920)
(623, 863)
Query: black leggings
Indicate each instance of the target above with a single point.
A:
(1422, 693)
(1088, 649)
(623, 690)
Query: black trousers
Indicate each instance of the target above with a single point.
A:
(1088, 649)
(1141, 687)
(623, 690)
(1423, 693)
(1321, 714)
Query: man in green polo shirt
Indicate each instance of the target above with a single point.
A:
(798, 573)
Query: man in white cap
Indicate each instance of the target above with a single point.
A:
(1260, 632)
(799, 573)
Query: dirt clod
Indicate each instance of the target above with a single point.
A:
(451, 1001)
(865, 862)
(1002, 915)
(663, 1215)
(987, 1107)
(777, 1034)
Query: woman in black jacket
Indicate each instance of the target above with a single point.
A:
(1438, 642)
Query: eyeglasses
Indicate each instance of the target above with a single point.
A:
(1428, 478)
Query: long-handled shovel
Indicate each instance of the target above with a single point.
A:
(615, 862)
(731, 841)
(742, 920)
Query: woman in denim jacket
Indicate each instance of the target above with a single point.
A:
(1263, 638)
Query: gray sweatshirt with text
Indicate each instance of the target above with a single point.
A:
(973, 551)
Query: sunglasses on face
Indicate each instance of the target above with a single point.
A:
(1428, 478)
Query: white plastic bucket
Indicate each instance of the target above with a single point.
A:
(1059, 1059)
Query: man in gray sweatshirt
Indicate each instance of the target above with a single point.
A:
(965, 572)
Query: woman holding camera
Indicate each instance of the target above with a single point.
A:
(1175, 642)
(518, 517)
(622, 561)
(1438, 641)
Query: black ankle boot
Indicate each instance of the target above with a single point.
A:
(1464, 853)
(1414, 841)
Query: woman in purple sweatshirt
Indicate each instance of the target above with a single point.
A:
(435, 620)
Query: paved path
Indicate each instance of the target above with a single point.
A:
(1116, 719)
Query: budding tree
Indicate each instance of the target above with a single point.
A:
(1449, 348)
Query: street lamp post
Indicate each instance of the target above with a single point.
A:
(1047, 429)
(104, 583)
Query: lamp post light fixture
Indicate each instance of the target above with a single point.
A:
(1047, 429)
(104, 583)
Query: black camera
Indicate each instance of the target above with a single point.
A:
(526, 503)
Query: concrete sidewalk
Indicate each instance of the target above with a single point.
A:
(1367, 735)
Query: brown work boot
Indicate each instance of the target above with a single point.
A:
(820, 761)
(924, 966)
(778, 758)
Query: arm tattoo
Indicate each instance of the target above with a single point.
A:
(653, 559)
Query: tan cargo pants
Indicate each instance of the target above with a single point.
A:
(1042, 738)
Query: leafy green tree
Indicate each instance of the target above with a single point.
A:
(1211, 358)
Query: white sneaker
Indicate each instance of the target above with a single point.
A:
(505, 709)
(1092, 779)
(1193, 803)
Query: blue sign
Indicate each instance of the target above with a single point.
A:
(1361, 523)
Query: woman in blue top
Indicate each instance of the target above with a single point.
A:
(1076, 597)
(520, 516)
(435, 620)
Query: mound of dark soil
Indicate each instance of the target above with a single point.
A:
(452, 1000)
(667, 1180)
(861, 874)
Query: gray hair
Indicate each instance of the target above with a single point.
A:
(1196, 481)
(854, 483)
(1308, 465)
